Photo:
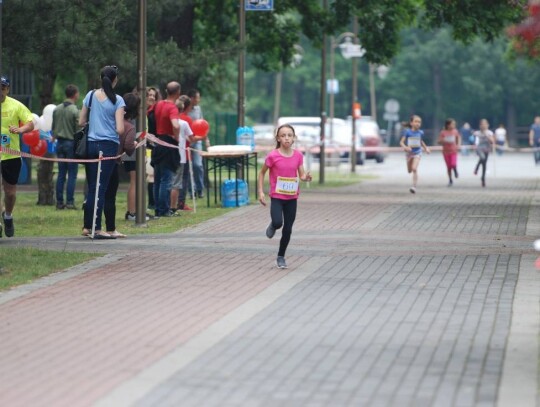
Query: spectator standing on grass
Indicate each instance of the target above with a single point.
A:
(166, 160)
(64, 125)
(534, 139)
(152, 97)
(106, 125)
(181, 180)
(186, 178)
(125, 148)
(198, 170)
(13, 114)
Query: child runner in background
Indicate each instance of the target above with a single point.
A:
(451, 143)
(286, 167)
(484, 144)
(413, 144)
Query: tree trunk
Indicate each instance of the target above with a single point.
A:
(438, 97)
(45, 182)
(45, 168)
(511, 126)
(179, 26)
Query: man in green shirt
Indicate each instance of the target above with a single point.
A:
(65, 124)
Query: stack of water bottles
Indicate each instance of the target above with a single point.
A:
(229, 191)
(245, 136)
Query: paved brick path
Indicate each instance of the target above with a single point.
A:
(391, 299)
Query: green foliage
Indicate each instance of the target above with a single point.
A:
(472, 18)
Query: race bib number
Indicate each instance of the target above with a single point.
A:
(450, 139)
(414, 141)
(287, 186)
(5, 140)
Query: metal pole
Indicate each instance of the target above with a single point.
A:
(96, 196)
(277, 95)
(372, 98)
(241, 64)
(323, 103)
(140, 154)
(332, 79)
(354, 97)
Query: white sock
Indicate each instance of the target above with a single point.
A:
(7, 215)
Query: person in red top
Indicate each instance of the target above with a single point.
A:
(166, 160)
(450, 139)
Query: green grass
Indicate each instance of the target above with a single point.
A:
(34, 220)
(20, 265)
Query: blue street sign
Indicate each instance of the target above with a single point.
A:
(259, 5)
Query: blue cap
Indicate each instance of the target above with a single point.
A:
(4, 80)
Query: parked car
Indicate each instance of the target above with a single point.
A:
(264, 134)
(338, 133)
(370, 136)
(308, 130)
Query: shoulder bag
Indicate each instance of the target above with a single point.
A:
(81, 137)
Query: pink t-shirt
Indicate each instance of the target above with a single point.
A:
(284, 181)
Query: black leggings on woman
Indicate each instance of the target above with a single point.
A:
(482, 161)
(283, 213)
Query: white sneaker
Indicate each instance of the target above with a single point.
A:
(412, 190)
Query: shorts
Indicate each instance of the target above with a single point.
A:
(414, 155)
(177, 181)
(11, 169)
(129, 165)
(450, 159)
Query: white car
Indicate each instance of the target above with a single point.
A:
(338, 133)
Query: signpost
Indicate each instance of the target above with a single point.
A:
(391, 114)
(259, 5)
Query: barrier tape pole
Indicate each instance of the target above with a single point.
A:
(96, 197)
(191, 178)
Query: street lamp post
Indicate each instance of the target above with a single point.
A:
(348, 50)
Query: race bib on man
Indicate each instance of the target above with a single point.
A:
(5, 140)
(450, 139)
(414, 141)
(287, 186)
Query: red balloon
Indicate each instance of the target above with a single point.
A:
(31, 138)
(200, 127)
(40, 149)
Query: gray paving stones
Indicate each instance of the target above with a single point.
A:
(390, 300)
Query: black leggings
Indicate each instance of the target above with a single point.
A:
(109, 207)
(283, 213)
(482, 161)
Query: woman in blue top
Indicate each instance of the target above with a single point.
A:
(412, 143)
(106, 124)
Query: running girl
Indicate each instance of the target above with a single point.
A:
(413, 144)
(451, 143)
(484, 144)
(286, 170)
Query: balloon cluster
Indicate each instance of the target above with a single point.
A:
(37, 139)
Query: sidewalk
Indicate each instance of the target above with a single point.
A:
(390, 299)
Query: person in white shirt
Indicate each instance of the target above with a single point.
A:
(500, 139)
(186, 136)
